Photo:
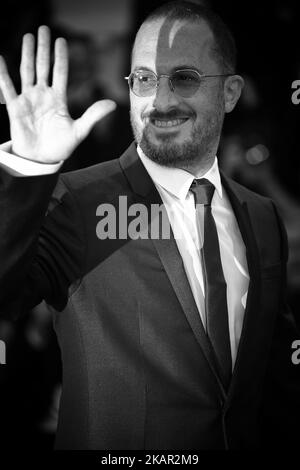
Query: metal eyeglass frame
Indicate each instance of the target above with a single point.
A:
(201, 76)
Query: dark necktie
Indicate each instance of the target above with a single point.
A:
(214, 281)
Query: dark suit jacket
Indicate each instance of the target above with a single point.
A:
(138, 371)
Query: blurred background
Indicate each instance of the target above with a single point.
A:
(260, 148)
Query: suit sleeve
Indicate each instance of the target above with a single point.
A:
(281, 402)
(41, 242)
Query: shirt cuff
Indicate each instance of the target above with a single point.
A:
(18, 166)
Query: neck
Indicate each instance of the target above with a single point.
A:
(198, 169)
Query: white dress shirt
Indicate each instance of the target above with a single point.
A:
(173, 186)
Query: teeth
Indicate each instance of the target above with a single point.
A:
(175, 122)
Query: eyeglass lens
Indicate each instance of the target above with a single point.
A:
(185, 82)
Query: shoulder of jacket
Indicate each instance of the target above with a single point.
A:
(248, 195)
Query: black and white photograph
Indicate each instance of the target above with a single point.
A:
(149, 228)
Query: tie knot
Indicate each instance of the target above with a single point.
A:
(203, 191)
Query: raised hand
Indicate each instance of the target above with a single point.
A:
(40, 125)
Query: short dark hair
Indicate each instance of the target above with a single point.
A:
(224, 47)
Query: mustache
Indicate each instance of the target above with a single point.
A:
(171, 115)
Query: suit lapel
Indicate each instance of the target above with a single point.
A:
(241, 209)
(170, 257)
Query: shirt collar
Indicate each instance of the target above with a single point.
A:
(177, 181)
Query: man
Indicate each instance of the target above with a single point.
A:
(156, 354)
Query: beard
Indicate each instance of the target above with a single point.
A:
(201, 146)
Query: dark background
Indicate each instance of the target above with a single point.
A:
(259, 148)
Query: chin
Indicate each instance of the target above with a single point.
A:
(168, 152)
(176, 137)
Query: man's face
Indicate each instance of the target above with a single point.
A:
(170, 129)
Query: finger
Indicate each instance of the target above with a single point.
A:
(60, 68)
(93, 114)
(6, 84)
(43, 55)
(27, 61)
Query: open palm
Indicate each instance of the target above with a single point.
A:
(41, 127)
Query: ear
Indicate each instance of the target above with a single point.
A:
(233, 86)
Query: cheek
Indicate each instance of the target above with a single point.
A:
(208, 102)
(136, 112)
(133, 104)
(209, 110)
(198, 106)
(140, 107)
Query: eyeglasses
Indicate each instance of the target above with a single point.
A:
(184, 82)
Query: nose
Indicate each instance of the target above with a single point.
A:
(165, 98)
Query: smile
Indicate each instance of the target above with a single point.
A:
(168, 123)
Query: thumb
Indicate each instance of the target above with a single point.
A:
(93, 114)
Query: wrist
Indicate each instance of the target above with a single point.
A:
(21, 166)
(12, 151)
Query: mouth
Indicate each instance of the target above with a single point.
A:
(168, 123)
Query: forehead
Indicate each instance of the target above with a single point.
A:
(163, 44)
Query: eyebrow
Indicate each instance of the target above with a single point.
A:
(174, 69)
